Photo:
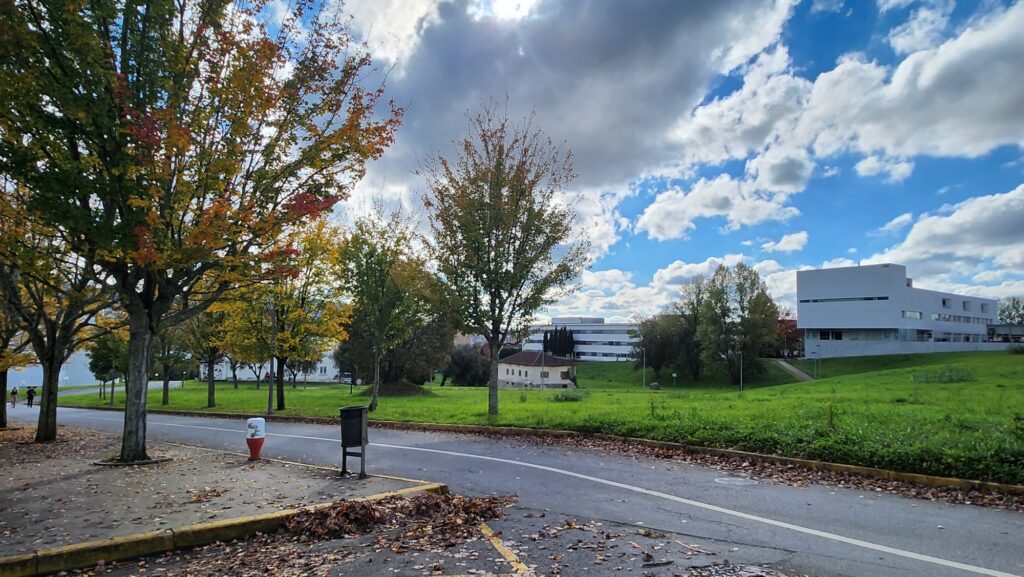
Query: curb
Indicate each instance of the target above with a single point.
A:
(89, 553)
(873, 472)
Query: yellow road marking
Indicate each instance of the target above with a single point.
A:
(519, 566)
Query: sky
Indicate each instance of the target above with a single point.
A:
(784, 134)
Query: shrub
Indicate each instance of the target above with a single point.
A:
(570, 395)
(947, 374)
(1016, 349)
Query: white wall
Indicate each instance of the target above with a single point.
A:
(591, 338)
(74, 372)
(521, 376)
(868, 348)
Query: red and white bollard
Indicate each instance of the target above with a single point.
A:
(255, 435)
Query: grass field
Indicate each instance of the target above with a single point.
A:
(873, 412)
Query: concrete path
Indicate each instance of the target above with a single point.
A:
(815, 530)
(793, 370)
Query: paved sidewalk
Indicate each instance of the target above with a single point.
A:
(53, 495)
(793, 370)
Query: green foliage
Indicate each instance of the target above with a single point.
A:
(467, 367)
(108, 356)
(1015, 349)
(505, 240)
(389, 286)
(1011, 311)
(559, 342)
(570, 395)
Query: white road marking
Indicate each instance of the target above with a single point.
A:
(652, 493)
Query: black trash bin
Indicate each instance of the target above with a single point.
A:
(354, 421)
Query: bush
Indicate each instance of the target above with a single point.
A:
(1015, 349)
(570, 395)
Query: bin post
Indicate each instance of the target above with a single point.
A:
(354, 421)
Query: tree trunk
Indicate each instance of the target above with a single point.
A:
(280, 382)
(133, 441)
(3, 399)
(492, 385)
(46, 430)
(166, 400)
(113, 383)
(444, 378)
(376, 383)
(211, 389)
(234, 375)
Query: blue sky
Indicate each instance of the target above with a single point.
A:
(784, 134)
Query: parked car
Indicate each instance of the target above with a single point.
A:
(346, 378)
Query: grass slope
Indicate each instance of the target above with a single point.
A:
(880, 418)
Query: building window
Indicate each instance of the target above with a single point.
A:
(967, 305)
(912, 315)
(543, 374)
(984, 307)
(323, 370)
(831, 335)
(947, 303)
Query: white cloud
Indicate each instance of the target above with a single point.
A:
(898, 170)
(896, 224)
(788, 243)
(673, 212)
(979, 234)
(886, 5)
(392, 28)
(925, 28)
(826, 6)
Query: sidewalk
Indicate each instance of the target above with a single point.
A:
(52, 495)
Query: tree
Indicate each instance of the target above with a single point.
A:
(295, 313)
(738, 322)
(658, 342)
(386, 282)
(108, 358)
(504, 238)
(201, 336)
(1011, 311)
(688, 308)
(170, 354)
(49, 292)
(467, 367)
(171, 142)
(560, 342)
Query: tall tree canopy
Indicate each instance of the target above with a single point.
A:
(173, 141)
(1011, 311)
(505, 239)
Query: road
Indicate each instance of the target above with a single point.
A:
(815, 530)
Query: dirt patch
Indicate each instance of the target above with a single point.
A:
(51, 494)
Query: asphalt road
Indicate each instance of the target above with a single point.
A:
(814, 530)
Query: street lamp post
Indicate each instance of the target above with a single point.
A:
(741, 369)
(673, 379)
(643, 351)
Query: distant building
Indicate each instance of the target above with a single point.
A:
(74, 372)
(876, 310)
(325, 371)
(533, 369)
(595, 339)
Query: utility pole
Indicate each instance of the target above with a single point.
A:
(643, 350)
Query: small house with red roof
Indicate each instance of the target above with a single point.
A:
(534, 369)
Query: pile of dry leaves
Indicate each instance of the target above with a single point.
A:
(429, 520)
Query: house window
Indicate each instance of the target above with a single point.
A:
(323, 370)
(543, 374)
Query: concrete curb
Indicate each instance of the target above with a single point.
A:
(88, 554)
(916, 478)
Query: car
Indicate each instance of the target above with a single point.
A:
(346, 378)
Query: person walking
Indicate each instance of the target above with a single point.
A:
(14, 396)
(31, 395)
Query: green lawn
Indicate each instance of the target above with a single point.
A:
(883, 418)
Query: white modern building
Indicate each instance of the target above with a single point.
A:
(595, 339)
(876, 310)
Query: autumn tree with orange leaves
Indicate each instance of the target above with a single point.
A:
(176, 139)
